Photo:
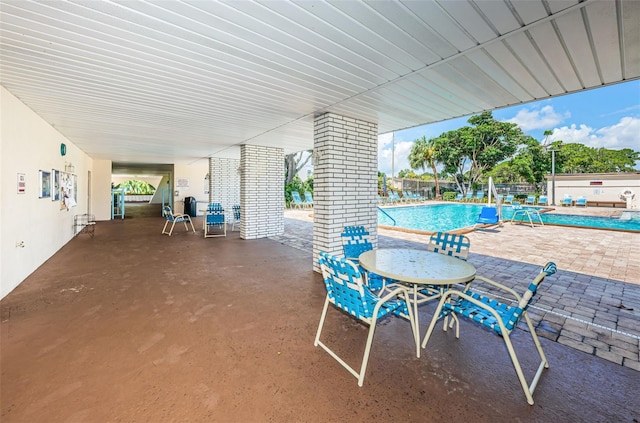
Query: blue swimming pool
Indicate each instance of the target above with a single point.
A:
(448, 217)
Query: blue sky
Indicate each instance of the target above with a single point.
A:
(603, 117)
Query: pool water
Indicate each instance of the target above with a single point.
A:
(448, 217)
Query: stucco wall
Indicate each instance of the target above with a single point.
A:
(32, 228)
(596, 186)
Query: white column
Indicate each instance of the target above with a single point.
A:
(224, 183)
(345, 180)
(261, 191)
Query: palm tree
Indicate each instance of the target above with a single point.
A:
(422, 155)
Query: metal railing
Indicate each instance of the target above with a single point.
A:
(389, 216)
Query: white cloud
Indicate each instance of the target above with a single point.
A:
(624, 134)
(400, 157)
(538, 118)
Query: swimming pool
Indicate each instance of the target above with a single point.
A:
(448, 217)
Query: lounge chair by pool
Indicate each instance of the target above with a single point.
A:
(581, 201)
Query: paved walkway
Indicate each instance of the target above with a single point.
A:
(592, 303)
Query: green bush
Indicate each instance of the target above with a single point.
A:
(297, 185)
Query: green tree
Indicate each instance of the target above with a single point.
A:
(408, 174)
(135, 186)
(293, 163)
(423, 154)
(468, 152)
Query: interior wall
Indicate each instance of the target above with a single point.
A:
(190, 181)
(32, 228)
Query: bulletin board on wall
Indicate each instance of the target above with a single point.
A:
(68, 190)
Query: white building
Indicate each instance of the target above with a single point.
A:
(601, 189)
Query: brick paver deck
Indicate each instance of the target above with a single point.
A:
(592, 303)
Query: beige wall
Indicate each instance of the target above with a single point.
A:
(194, 174)
(32, 229)
(612, 184)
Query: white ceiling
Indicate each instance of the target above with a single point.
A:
(175, 81)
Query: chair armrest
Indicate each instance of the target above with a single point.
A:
(495, 284)
(479, 304)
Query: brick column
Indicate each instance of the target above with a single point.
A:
(345, 180)
(224, 183)
(261, 191)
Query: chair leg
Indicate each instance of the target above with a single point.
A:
(434, 320)
(164, 229)
(367, 350)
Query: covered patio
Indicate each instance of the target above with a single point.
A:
(134, 326)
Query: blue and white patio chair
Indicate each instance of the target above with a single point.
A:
(530, 201)
(236, 217)
(567, 200)
(355, 241)
(448, 244)
(214, 218)
(458, 197)
(469, 196)
(543, 200)
(508, 199)
(308, 199)
(479, 198)
(297, 201)
(501, 318)
(174, 218)
(346, 291)
(581, 201)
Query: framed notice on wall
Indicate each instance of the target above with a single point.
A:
(55, 192)
(22, 183)
(44, 184)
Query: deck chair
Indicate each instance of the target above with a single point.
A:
(347, 292)
(308, 199)
(488, 216)
(214, 218)
(581, 201)
(469, 196)
(479, 198)
(297, 201)
(530, 201)
(355, 241)
(508, 199)
(531, 213)
(458, 197)
(543, 200)
(174, 218)
(567, 200)
(501, 318)
(236, 217)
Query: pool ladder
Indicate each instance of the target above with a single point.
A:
(389, 216)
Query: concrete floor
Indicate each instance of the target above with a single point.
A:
(134, 326)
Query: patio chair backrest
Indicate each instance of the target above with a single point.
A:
(236, 212)
(295, 195)
(308, 197)
(214, 214)
(346, 289)
(450, 244)
(355, 241)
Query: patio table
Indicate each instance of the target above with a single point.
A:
(417, 268)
